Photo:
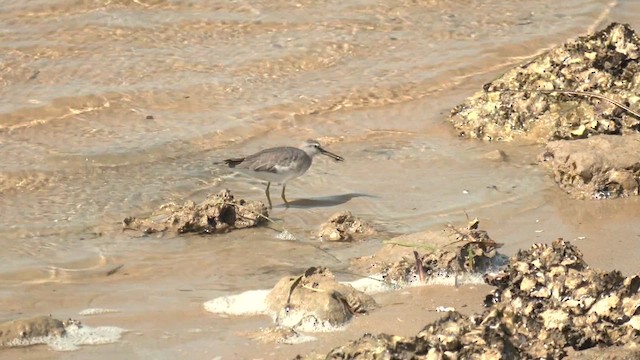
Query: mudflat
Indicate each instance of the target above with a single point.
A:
(112, 108)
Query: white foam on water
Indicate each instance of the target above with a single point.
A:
(252, 302)
(450, 280)
(373, 284)
(86, 335)
(74, 337)
(299, 339)
(97, 311)
(304, 321)
(285, 235)
(36, 340)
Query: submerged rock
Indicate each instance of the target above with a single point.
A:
(522, 102)
(419, 256)
(219, 213)
(546, 300)
(315, 301)
(343, 226)
(604, 166)
(279, 335)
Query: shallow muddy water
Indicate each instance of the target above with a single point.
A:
(111, 108)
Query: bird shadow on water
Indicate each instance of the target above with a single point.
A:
(324, 201)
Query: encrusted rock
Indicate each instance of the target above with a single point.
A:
(372, 347)
(522, 104)
(343, 226)
(219, 213)
(315, 301)
(604, 166)
(582, 308)
(23, 331)
(419, 256)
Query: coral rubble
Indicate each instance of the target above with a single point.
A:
(344, 226)
(546, 301)
(219, 213)
(528, 101)
(416, 257)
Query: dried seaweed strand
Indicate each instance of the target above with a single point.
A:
(419, 269)
(469, 238)
(312, 289)
(463, 237)
(363, 276)
(114, 270)
(580, 93)
(416, 246)
(295, 283)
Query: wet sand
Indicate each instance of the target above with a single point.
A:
(113, 108)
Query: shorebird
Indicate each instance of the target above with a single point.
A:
(280, 164)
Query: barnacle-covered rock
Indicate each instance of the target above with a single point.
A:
(219, 213)
(547, 302)
(522, 104)
(344, 226)
(416, 257)
(583, 307)
(603, 166)
(371, 347)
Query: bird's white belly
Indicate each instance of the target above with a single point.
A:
(282, 175)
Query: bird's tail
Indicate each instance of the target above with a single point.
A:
(233, 162)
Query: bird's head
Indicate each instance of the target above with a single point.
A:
(312, 148)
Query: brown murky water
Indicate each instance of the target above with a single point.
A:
(111, 108)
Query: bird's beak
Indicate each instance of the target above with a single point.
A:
(330, 154)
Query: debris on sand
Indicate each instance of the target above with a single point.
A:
(344, 226)
(315, 301)
(601, 167)
(546, 301)
(219, 213)
(417, 257)
(587, 86)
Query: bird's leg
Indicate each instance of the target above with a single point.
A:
(268, 197)
(284, 186)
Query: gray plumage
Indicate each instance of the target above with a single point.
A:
(280, 164)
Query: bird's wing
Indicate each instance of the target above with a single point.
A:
(273, 160)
